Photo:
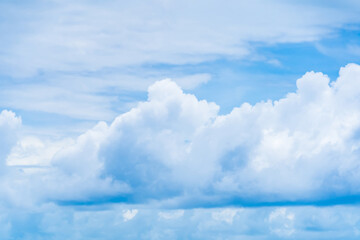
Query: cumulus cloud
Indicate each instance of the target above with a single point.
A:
(301, 147)
(176, 149)
(35, 172)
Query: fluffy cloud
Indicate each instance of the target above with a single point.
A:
(129, 214)
(177, 150)
(35, 173)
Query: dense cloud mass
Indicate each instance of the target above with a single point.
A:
(177, 150)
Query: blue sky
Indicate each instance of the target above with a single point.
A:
(179, 119)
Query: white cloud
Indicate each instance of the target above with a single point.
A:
(68, 36)
(57, 171)
(31, 151)
(86, 54)
(291, 148)
(87, 98)
(129, 214)
(177, 149)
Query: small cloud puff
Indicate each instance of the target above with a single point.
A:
(129, 214)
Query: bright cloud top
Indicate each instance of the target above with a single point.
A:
(177, 150)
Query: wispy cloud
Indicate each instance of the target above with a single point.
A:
(64, 36)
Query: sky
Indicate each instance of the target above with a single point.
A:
(167, 119)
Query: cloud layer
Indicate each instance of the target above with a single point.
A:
(118, 221)
(91, 36)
